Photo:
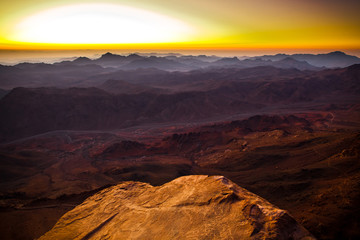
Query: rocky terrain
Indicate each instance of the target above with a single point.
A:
(306, 164)
(283, 129)
(191, 207)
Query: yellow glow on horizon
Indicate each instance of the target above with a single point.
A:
(186, 24)
(100, 24)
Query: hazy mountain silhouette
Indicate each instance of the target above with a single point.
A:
(156, 62)
(329, 60)
(226, 61)
(85, 72)
(290, 62)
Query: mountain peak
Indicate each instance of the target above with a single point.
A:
(109, 55)
(82, 60)
(134, 55)
(337, 53)
(201, 207)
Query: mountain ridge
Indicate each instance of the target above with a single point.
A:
(330, 60)
(200, 95)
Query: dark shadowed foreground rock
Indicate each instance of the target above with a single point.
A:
(191, 207)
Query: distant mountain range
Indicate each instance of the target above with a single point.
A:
(85, 72)
(117, 91)
(157, 96)
(329, 60)
(183, 63)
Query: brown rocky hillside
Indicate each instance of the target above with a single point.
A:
(190, 207)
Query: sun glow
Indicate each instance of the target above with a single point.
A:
(100, 24)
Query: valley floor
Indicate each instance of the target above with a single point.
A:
(306, 163)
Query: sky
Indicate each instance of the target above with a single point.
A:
(226, 25)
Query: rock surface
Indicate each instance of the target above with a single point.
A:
(190, 207)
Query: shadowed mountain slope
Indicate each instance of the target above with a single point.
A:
(29, 111)
(32, 111)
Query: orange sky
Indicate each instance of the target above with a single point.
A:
(182, 25)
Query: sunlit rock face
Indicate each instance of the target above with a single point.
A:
(190, 207)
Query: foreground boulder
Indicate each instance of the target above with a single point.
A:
(190, 207)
